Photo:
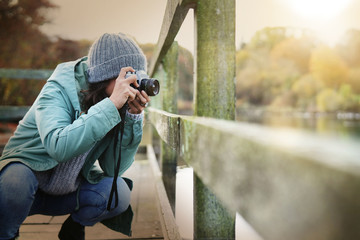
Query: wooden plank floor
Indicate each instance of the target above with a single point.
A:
(146, 223)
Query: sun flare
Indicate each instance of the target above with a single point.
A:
(318, 9)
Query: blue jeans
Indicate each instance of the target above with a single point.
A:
(19, 198)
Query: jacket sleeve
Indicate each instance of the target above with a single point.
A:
(62, 136)
(131, 140)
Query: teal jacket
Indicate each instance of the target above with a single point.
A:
(55, 131)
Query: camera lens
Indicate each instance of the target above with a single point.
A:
(150, 86)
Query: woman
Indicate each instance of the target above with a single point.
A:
(49, 165)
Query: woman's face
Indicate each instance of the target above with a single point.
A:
(110, 87)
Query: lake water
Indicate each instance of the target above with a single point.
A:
(341, 125)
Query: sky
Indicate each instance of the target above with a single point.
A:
(88, 19)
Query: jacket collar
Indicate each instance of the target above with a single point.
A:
(72, 77)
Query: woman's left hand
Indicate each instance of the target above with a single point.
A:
(137, 105)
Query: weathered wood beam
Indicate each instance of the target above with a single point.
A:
(12, 113)
(167, 125)
(167, 219)
(25, 73)
(288, 184)
(175, 14)
(169, 94)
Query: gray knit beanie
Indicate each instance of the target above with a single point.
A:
(110, 53)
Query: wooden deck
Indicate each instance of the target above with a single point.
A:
(146, 223)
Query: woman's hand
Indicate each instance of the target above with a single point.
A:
(137, 105)
(121, 90)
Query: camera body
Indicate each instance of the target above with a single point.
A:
(150, 85)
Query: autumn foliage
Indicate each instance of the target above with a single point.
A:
(282, 68)
(290, 68)
(23, 45)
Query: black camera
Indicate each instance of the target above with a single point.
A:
(150, 85)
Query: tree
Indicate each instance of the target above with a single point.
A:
(294, 50)
(20, 37)
(328, 100)
(328, 67)
(264, 72)
(354, 80)
(252, 77)
(349, 48)
(305, 89)
(349, 100)
(286, 67)
(267, 38)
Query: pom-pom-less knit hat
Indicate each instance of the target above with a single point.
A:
(110, 53)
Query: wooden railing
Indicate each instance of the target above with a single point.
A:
(15, 113)
(287, 183)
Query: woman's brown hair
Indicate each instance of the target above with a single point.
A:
(95, 93)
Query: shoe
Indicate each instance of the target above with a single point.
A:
(71, 230)
(16, 237)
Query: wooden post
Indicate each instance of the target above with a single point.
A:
(215, 59)
(169, 89)
(214, 97)
(156, 102)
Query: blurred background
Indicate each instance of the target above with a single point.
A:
(297, 61)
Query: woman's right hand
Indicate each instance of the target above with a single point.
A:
(122, 91)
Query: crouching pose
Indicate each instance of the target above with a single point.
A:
(69, 151)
